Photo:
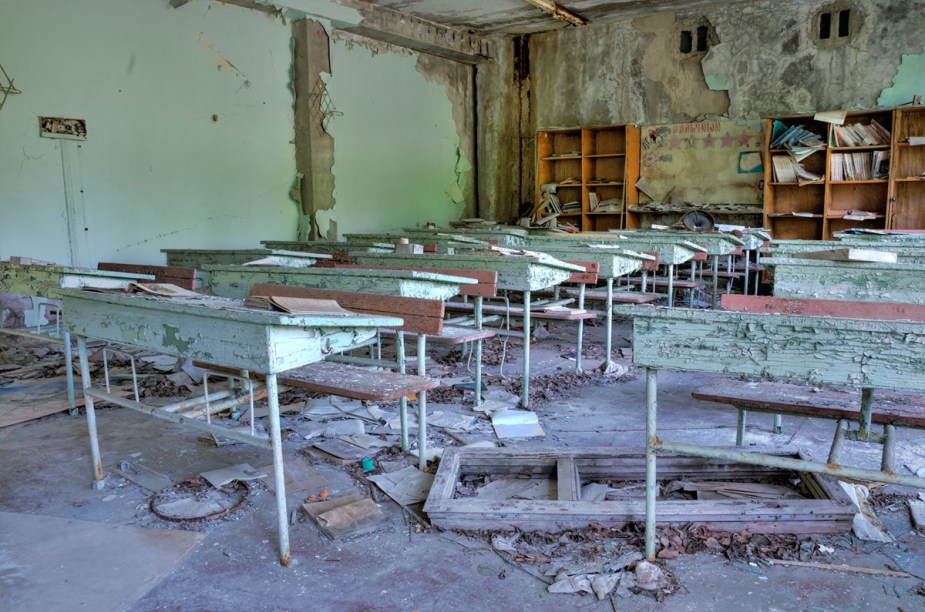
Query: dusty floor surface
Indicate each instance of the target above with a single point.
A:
(46, 473)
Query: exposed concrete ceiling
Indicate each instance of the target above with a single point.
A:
(520, 17)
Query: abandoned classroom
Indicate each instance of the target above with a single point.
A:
(462, 305)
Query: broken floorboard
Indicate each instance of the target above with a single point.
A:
(827, 511)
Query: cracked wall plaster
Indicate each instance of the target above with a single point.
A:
(765, 61)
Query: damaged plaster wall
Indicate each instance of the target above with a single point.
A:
(763, 60)
(189, 120)
(403, 138)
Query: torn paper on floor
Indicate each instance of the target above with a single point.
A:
(407, 486)
(516, 424)
(222, 476)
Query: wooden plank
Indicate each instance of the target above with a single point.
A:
(588, 277)
(764, 516)
(518, 312)
(451, 334)
(357, 383)
(853, 352)
(619, 297)
(487, 279)
(849, 254)
(236, 281)
(902, 410)
(420, 315)
(823, 308)
(856, 281)
(216, 329)
(182, 277)
(515, 272)
(567, 481)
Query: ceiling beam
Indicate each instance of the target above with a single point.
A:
(559, 12)
(385, 25)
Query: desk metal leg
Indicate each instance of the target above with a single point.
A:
(651, 440)
(279, 478)
(715, 280)
(608, 327)
(98, 481)
(477, 401)
(403, 402)
(740, 427)
(422, 404)
(525, 385)
(581, 326)
(69, 373)
(670, 285)
(748, 259)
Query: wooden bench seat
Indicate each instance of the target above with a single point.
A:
(451, 334)
(722, 274)
(516, 311)
(174, 275)
(901, 410)
(663, 282)
(619, 297)
(355, 382)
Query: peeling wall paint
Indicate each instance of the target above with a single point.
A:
(764, 60)
(189, 120)
(399, 155)
(908, 82)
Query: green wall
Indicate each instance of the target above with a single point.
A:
(396, 145)
(156, 171)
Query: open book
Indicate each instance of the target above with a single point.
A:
(296, 306)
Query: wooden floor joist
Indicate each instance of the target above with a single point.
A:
(828, 511)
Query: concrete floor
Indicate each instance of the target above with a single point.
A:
(46, 473)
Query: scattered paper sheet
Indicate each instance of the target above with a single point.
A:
(516, 424)
(299, 476)
(407, 486)
(222, 476)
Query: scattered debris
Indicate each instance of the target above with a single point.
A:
(299, 476)
(407, 486)
(516, 424)
(198, 500)
(222, 476)
(348, 515)
(844, 568)
(143, 476)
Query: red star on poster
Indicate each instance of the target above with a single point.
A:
(728, 139)
(744, 139)
(675, 142)
(709, 141)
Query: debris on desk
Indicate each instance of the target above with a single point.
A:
(298, 476)
(222, 476)
(407, 486)
(348, 515)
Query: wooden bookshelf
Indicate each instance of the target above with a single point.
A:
(895, 202)
(604, 161)
(906, 208)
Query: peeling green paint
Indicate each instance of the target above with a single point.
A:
(172, 339)
(908, 82)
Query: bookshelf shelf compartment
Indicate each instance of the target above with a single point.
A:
(897, 201)
(610, 153)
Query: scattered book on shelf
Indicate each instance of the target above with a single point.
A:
(610, 205)
(571, 207)
(864, 166)
(593, 201)
(916, 141)
(795, 136)
(788, 170)
(859, 135)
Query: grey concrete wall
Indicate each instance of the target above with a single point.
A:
(764, 60)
